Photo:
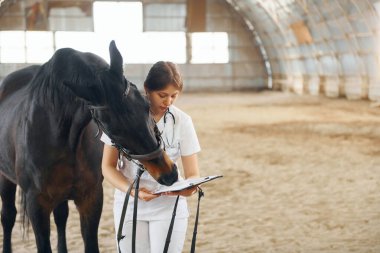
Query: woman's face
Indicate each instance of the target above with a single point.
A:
(160, 100)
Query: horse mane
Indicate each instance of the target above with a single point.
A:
(16, 80)
(67, 65)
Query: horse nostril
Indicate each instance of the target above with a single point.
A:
(170, 178)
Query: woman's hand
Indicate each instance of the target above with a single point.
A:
(145, 195)
(186, 193)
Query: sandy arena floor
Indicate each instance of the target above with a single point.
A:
(301, 174)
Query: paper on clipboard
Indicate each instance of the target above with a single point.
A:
(184, 184)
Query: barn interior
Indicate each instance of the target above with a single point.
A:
(298, 82)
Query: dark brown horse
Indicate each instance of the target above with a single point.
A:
(48, 146)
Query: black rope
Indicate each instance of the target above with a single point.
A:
(139, 173)
(125, 205)
(136, 183)
(169, 235)
(123, 211)
(193, 241)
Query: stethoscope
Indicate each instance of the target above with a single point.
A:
(168, 112)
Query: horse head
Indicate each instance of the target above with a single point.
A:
(121, 112)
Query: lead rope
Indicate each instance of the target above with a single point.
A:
(194, 239)
(169, 235)
(139, 173)
(136, 183)
(124, 210)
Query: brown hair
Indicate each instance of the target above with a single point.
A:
(161, 74)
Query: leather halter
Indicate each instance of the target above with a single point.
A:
(123, 150)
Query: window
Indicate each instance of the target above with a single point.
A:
(151, 47)
(164, 17)
(209, 48)
(39, 46)
(122, 22)
(82, 41)
(12, 47)
(113, 18)
(70, 15)
(25, 47)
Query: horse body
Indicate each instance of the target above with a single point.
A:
(48, 144)
(52, 156)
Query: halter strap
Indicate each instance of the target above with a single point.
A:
(146, 157)
(126, 152)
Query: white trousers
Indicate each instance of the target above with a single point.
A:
(151, 236)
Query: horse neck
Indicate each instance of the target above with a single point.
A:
(80, 121)
(67, 114)
(67, 118)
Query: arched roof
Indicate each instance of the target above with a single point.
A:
(328, 46)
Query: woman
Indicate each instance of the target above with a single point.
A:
(162, 86)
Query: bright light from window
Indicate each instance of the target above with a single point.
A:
(12, 47)
(82, 41)
(39, 46)
(119, 21)
(209, 48)
(89, 42)
(151, 47)
(122, 22)
(118, 17)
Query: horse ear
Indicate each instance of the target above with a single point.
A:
(116, 59)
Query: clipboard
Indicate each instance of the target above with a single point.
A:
(185, 184)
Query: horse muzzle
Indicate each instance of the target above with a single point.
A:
(162, 169)
(169, 178)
